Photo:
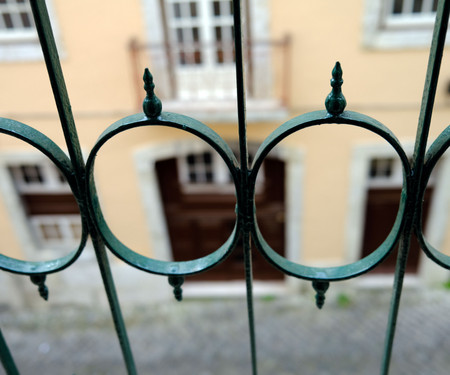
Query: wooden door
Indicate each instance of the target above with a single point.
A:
(381, 210)
(201, 218)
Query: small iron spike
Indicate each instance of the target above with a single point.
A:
(152, 105)
(335, 102)
(176, 282)
(39, 280)
(321, 288)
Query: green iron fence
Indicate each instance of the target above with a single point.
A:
(81, 180)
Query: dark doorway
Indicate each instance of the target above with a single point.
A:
(381, 210)
(200, 213)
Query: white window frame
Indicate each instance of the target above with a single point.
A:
(206, 107)
(384, 30)
(64, 223)
(23, 44)
(17, 32)
(23, 224)
(220, 182)
(51, 181)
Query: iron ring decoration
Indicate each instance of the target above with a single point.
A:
(436, 150)
(378, 255)
(168, 268)
(45, 145)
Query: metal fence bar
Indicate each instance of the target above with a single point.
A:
(246, 207)
(61, 96)
(6, 358)
(415, 179)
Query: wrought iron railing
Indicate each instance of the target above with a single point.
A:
(81, 179)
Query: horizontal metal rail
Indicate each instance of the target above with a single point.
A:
(80, 176)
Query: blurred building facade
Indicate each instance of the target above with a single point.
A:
(327, 195)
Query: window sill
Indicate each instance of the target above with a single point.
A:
(399, 39)
(30, 51)
(225, 111)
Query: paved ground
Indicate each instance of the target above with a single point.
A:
(209, 337)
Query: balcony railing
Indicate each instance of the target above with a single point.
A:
(204, 75)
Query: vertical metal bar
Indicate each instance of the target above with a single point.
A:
(429, 93)
(250, 309)
(6, 357)
(396, 296)
(240, 85)
(61, 96)
(114, 304)
(58, 84)
(246, 210)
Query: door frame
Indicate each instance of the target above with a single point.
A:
(438, 216)
(145, 159)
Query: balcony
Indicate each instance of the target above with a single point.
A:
(199, 80)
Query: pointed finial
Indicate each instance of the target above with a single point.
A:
(176, 282)
(152, 105)
(321, 288)
(335, 102)
(39, 280)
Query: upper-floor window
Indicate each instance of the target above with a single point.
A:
(16, 21)
(409, 13)
(399, 23)
(18, 36)
(201, 31)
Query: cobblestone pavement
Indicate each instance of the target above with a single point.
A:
(210, 337)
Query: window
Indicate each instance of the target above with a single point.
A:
(410, 13)
(399, 23)
(16, 20)
(385, 171)
(49, 205)
(203, 172)
(201, 31)
(200, 36)
(18, 36)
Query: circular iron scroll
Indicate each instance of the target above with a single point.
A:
(378, 255)
(114, 244)
(63, 163)
(436, 150)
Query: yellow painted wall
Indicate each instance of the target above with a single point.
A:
(94, 35)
